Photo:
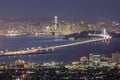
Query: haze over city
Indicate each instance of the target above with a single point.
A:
(90, 10)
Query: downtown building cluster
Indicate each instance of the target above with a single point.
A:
(46, 26)
(96, 67)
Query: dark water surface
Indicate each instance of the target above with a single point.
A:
(72, 53)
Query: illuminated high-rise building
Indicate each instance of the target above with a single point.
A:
(55, 22)
(116, 57)
(90, 57)
(96, 58)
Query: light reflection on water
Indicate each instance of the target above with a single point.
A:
(62, 54)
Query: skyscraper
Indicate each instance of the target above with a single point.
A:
(91, 57)
(55, 22)
(116, 57)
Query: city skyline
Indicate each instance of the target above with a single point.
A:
(80, 9)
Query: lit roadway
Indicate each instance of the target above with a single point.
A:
(38, 50)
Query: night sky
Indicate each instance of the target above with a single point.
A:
(90, 10)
